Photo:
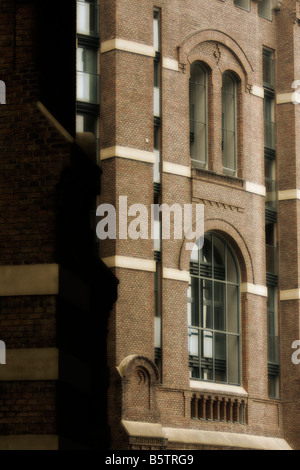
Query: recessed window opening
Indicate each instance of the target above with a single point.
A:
(214, 313)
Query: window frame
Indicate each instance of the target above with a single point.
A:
(197, 162)
(198, 329)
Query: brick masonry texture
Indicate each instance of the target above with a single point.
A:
(224, 37)
(34, 156)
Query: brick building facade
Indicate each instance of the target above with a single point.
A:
(55, 293)
(194, 105)
(197, 108)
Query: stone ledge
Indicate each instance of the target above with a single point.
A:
(203, 438)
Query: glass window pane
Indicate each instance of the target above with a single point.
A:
(228, 122)
(206, 252)
(195, 254)
(195, 301)
(207, 344)
(268, 68)
(193, 342)
(232, 275)
(219, 251)
(206, 289)
(232, 309)
(86, 123)
(233, 359)
(87, 18)
(219, 306)
(213, 312)
(156, 38)
(220, 357)
(198, 131)
(157, 332)
(199, 145)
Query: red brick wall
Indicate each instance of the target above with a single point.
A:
(224, 37)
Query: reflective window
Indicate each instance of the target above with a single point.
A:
(229, 122)
(213, 313)
(198, 114)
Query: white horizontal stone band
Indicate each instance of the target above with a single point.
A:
(29, 442)
(127, 46)
(254, 289)
(170, 64)
(35, 279)
(130, 263)
(255, 188)
(30, 364)
(175, 169)
(182, 170)
(290, 294)
(258, 91)
(289, 194)
(176, 274)
(284, 98)
(129, 153)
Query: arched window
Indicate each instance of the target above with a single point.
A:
(2, 92)
(198, 115)
(229, 122)
(214, 313)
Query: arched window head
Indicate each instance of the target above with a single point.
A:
(198, 114)
(229, 122)
(214, 313)
(2, 92)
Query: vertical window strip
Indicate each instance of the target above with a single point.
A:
(198, 114)
(88, 79)
(229, 122)
(157, 99)
(214, 315)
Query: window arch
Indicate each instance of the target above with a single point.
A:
(229, 122)
(214, 313)
(198, 114)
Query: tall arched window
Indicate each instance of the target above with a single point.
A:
(214, 313)
(198, 115)
(229, 122)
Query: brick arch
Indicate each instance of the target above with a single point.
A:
(234, 239)
(199, 37)
(139, 380)
(130, 364)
